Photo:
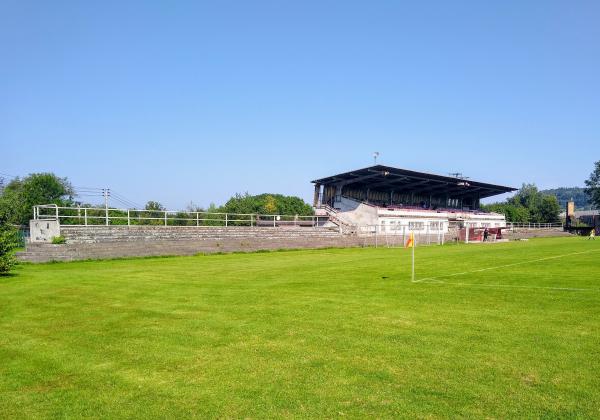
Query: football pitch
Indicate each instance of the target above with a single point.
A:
(489, 330)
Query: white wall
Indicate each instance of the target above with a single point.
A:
(43, 230)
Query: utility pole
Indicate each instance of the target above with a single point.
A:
(106, 193)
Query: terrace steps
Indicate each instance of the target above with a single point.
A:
(95, 234)
(98, 242)
(42, 252)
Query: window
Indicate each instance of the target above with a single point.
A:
(434, 225)
(416, 225)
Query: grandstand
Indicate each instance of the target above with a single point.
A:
(397, 200)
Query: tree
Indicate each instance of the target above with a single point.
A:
(8, 242)
(593, 185)
(513, 213)
(153, 215)
(528, 196)
(270, 205)
(20, 195)
(549, 209)
(154, 205)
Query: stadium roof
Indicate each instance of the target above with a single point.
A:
(387, 178)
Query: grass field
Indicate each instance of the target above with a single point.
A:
(323, 333)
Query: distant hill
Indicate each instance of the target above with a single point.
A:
(565, 194)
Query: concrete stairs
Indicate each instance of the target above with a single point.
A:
(42, 252)
(99, 242)
(95, 234)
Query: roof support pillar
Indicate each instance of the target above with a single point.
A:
(317, 196)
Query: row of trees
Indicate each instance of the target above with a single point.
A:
(242, 210)
(532, 206)
(528, 205)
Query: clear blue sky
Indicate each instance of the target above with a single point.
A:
(194, 101)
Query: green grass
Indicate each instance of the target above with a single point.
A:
(320, 333)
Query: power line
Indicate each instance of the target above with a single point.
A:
(126, 200)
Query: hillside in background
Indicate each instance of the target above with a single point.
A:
(564, 194)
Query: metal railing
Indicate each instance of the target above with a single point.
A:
(333, 215)
(512, 226)
(97, 216)
(395, 236)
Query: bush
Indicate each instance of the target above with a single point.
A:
(59, 240)
(8, 242)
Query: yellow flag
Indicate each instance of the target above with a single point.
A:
(411, 241)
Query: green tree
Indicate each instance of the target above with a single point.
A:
(593, 185)
(528, 196)
(548, 210)
(513, 213)
(20, 195)
(154, 205)
(8, 242)
(153, 210)
(270, 205)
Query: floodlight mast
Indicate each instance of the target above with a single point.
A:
(462, 180)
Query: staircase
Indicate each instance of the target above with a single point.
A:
(345, 227)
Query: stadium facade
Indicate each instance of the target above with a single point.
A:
(400, 200)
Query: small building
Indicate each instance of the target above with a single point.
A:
(395, 200)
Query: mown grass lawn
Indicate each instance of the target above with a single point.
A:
(323, 333)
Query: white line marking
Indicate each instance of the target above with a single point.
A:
(572, 289)
(436, 278)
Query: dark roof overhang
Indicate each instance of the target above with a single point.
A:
(387, 178)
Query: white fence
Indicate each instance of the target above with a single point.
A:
(513, 226)
(88, 216)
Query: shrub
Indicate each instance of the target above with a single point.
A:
(8, 242)
(58, 240)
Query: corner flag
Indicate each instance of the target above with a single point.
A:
(411, 241)
(411, 244)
